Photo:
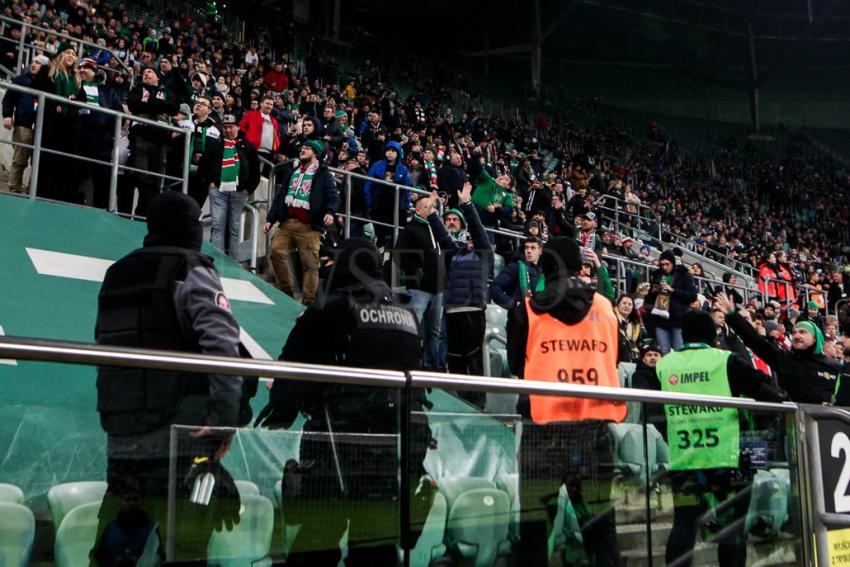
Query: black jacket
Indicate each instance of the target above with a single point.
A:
(807, 377)
(684, 293)
(249, 166)
(19, 106)
(152, 103)
(419, 255)
(506, 288)
(324, 198)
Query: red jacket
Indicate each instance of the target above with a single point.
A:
(277, 82)
(252, 129)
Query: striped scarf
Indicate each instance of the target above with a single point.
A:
(432, 174)
(300, 186)
(229, 167)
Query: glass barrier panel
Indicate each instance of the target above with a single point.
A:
(308, 480)
(727, 484)
(496, 486)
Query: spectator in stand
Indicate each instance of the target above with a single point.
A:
(251, 57)
(19, 116)
(418, 256)
(231, 172)
(261, 130)
(206, 141)
(812, 313)
(492, 197)
(804, 372)
(632, 333)
(150, 100)
(97, 143)
(374, 136)
(520, 278)
(61, 128)
(331, 132)
(671, 295)
(646, 378)
(451, 177)
(171, 79)
(276, 79)
(380, 198)
(838, 290)
(303, 208)
(587, 231)
(468, 257)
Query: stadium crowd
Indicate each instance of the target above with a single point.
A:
(246, 111)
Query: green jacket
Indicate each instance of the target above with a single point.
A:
(604, 285)
(488, 192)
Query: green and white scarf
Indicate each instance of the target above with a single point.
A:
(92, 93)
(229, 167)
(300, 186)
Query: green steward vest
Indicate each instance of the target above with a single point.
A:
(700, 437)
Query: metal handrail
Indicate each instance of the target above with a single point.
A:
(118, 118)
(80, 43)
(88, 354)
(485, 350)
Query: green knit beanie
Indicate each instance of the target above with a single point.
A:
(814, 331)
(813, 305)
(317, 147)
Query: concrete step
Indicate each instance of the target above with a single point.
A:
(633, 536)
(704, 555)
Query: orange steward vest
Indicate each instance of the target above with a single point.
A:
(584, 353)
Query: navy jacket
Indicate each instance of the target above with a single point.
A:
(19, 106)
(324, 198)
(467, 270)
(506, 290)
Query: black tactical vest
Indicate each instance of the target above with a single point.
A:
(136, 309)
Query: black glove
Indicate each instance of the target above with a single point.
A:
(224, 502)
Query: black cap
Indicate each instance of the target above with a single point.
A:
(357, 261)
(174, 219)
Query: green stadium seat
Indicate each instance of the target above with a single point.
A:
(509, 483)
(431, 545)
(625, 371)
(479, 514)
(17, 532)
(249, 541)
(496, 319)
(63, 498)
(768, 509)
(629, 454)
(246, 487)
(11, 493)
(498, 264)
(76, 534)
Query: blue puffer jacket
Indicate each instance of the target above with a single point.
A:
(467, 270)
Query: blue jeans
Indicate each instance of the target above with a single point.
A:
(669, 338)
(429, 312)
(226, 212)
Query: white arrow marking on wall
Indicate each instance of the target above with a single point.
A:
(88, 268)
(9, 361)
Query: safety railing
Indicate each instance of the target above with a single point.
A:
(118, 118)
(838, 304)
(792, 290)
(27, 50)
(408, 384)
(646, 222)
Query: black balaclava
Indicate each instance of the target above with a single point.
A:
(698, 327)
(174, 219)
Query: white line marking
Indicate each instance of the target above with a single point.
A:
(8, 361)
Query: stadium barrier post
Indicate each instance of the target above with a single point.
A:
(21, 43)
(36, 145)
(187, 149)
(113, 176)
(347, 227)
